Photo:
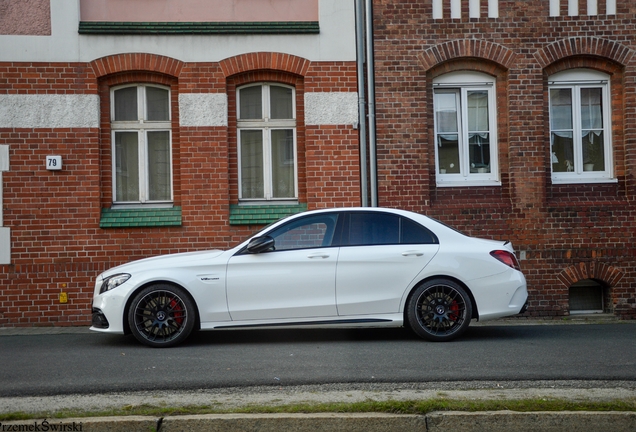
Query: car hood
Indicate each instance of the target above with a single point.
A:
(166, 261)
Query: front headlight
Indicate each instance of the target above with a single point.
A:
(113, 282)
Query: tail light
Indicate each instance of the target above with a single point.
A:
(506, 257)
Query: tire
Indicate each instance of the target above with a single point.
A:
(161, 316)
(439, 310)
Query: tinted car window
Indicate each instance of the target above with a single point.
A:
(309, 232)
(383, 229)
(414, 233)
(373, 229)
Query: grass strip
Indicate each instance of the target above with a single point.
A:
(420, 407)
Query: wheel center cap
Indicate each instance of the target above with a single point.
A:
(161, 315)
(440, 310)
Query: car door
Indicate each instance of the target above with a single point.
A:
(294, 280)
(380, 256)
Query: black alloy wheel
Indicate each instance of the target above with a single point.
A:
(439, 310)
(161, 316)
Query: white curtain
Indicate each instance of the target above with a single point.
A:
(252, 185)
(126, 104)
(159, 175)
(283, 185)
(126, 166)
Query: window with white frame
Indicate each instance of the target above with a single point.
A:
(594, 7)
(267, 142)
(455, 6)
(465, 129)
(580, 138)
(141, 143)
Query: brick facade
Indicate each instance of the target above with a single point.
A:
(565, 233)
(54, 216)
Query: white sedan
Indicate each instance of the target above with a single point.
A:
(349, 267)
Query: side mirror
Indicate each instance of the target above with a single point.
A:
(260, 244)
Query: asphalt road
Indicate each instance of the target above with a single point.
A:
(89, 363)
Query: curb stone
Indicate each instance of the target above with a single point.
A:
(504, 421)
(494, 421)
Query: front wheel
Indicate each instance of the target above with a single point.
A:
(161, 316)
(439, 310)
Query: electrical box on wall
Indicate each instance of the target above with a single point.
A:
(5, 245)
(54, 163)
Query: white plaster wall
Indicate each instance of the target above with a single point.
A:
(49, 111)
(336, 41)
(203, 109)
(331, 108)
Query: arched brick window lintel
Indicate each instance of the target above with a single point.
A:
(584, 46)
(591, 270)
(466, 48)
(264, 61)
(131, 62)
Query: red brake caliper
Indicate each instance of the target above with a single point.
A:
(177, 309)
(454, 308)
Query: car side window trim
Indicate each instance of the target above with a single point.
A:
(332, 222)
(345, 239)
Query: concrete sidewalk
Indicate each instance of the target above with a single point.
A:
(500, 421)
(237, 398)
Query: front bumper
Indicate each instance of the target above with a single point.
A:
(99, 320)
(108, 311)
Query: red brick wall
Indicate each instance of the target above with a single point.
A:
(57, 244)
(567, 232)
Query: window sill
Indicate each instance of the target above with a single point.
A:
(140, 217)
(583, 180)
(262, 214)
(467, 183)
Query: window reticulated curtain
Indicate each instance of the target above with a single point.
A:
(588, 130)
(126, 104)
(283, 175)
(157, 104)
(159, 173)
(251, 103)
(127, 166)
(281, 104)
(478, 131)
(447, 122)
(252, 182)
(562, 133)
(592, 129)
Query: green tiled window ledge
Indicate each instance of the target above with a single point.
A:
(262, 214)
(151, 217)
(129, 28)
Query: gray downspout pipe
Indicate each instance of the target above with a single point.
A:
(362, 115)
(371, 95)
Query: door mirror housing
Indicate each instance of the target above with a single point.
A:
(260, 244)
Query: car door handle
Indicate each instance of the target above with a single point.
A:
(412, 252)
(318, 255)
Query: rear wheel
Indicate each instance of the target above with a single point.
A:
(439, 310)
(161, 316)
